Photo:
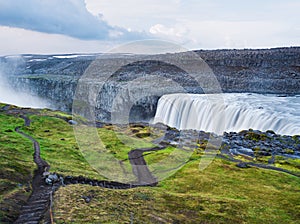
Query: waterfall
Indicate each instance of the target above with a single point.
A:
(10, 94)
(230, 112)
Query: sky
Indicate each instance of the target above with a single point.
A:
(84, 26)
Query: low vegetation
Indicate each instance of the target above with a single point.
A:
(222, 193)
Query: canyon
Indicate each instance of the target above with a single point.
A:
(134, 83)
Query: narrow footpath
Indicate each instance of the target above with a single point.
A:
(38, 204)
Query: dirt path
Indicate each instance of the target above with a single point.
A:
(139, 165)
(38, 203)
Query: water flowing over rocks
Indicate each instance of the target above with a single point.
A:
(230, 112)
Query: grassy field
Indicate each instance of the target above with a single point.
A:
(222, 193)
(16, 167)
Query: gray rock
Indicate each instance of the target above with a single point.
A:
(52, 178)
(72, 122)
(242, 151)
(242, 165)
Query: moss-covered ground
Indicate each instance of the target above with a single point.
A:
(222, 193)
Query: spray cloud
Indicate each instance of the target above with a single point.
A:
(9, 95)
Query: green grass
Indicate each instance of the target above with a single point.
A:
(16, 153)
(58, 146)
(222, 193)
(16, 165)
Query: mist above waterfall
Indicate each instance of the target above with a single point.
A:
(230, 112)
(12, 96)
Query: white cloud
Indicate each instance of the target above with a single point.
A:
(192, 23)
(171, 32)
(208, 23)
(66, 17)
(135, 14)
(243, 34)
(18, 41)
(227, 34)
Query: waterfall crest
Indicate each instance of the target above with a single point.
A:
(230, 112)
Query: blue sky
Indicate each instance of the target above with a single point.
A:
(66, 26)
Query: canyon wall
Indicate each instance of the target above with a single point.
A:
(274, 71)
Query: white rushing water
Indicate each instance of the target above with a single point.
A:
(230, 112)
(21, 99)
(12, 96)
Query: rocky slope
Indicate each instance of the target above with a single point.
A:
(142, 81)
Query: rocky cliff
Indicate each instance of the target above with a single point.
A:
(109, 82)
(261, 71)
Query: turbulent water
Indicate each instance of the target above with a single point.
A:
(230, 112)
(11, 96)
